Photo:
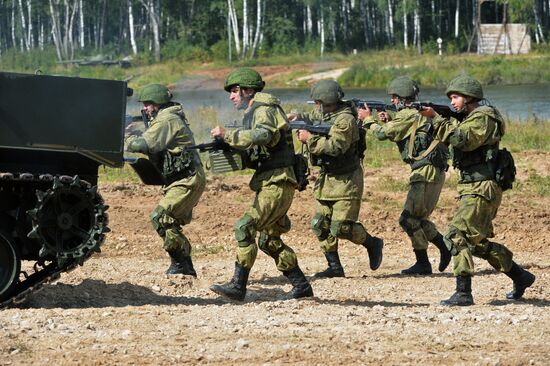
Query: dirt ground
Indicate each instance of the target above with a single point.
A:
(120, 308)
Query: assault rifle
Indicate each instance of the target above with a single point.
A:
(316, 129)
(441, 109)
(372, 104)
(217, 145)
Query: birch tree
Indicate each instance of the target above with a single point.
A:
(232, 14)
(154, 19)
(131, 27)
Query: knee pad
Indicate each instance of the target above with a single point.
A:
(342, 229)
(409, 223)
(245, 231)
(161, 220)
(320, 226)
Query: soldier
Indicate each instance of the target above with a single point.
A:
(267, 142)
(164, 142)
(475, 144)
(339, 187)
(427, 158)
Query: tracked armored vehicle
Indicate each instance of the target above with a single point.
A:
(55, 132)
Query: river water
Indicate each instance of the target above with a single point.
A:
(517, 102)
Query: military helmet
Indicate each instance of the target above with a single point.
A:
(465, 85)
(403, 87)
(156, 93)
(327, 91)
(244, 77)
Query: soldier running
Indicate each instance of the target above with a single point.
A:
(474, 145)
(164, 141)
(427, 158)
(267, 141)
(339, 187)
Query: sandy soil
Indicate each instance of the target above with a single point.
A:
(120, 308)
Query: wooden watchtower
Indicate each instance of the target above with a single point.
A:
(501, 38)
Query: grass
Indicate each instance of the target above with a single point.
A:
(538, 184)
(374, 71)
(527, 136)
(113, 175)
(388, 183)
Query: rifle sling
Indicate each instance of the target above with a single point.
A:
(424, 153)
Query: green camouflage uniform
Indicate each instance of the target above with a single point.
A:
(274, 187)
(427, 175)
(475, 140)
(168, 132)
(338, 194)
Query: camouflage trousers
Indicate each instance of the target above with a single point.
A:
(469, 232)
(419, 205)
(268, 216)
(175, 209)
(335, 220)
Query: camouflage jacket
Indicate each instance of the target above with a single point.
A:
(170, 132)
(483, 126)
(265, 132)
(343, 133)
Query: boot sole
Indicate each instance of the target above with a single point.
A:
(403, 272)
(445, 303)
(216, 289)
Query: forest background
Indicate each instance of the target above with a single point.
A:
(374, 40)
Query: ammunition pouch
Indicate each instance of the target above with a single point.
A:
(505, 172)
(477, 165)
(337, 165)
(301, 171)
(176, 166)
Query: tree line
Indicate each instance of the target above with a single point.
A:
(243, 29)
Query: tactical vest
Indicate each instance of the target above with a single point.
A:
(345, 163)
(419, 149)
(263, 158)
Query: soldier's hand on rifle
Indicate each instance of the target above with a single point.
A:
(218, 132)
(292, 116)
(133, 129)
(427, 112)
(303, 135)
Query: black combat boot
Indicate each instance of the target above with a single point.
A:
(236, 288)
(463, 294)
(444, 254)
(180, 264)
(300, 285)
(522, 280)
(422, 265)
(334, 269)
(374, 247)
